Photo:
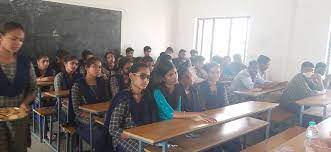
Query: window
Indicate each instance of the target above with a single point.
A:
(328, 51)
(221, 36)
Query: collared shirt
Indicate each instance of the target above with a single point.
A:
(242, 81)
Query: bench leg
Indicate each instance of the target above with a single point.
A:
(164, 146)
(269, 123)
(301, 114)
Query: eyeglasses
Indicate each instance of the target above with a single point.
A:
(143, 76)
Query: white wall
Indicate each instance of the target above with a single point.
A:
(269, 25)
(144, 22)
(289, 31)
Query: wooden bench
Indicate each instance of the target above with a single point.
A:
(317, 112)
(45, 111)
(99, 120)
(214, 136)
(278, 115)
(276, 140)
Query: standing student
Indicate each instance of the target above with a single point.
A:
(211, 92)
(147, 51)
(90, 89)
(131, 108)
(121, 80)
(170, 96)
(17, 87)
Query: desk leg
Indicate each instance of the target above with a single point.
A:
(269, 123)
(58, 119)
(91, 132)
(141, 146)
(324, 112)
(301, 114)
(164, 146)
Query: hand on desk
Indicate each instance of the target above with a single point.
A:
(204, 118)
(124, 136)
(25, 107)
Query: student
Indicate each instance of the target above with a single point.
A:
(199, 74)
(193, 53)
(64, 80)
(235, 67)
(181, 58)
(169, 51)
(319, 73)
(109, 68)
(131, 108)
(211, 92)
(129, 53)
(147, 51)
(86, 54)
(121, 80)
(90, 89)
(17, 87)
(246, 79)
(301, 86)
(185, 77)
(57, 65)
(43, 71)
(147, 60)
(170, 96)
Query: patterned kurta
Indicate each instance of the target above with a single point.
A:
(121, 119)
(14, 135)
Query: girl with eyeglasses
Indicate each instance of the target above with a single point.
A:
(131, 108)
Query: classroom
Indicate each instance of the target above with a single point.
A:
(165, 76)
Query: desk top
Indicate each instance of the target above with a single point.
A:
(320, 100)
(297, 143)
(44, 83)
(11, 114)
(96, 108)
(260, 93)
(55, 94)
(165, 130)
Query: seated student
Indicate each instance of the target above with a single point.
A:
(129, 53)
(170, 96)
(86, 54)
(131, 108)
(186, 81)
(194, 53)
(57, 64)
(90, 89)
(211, 91)
(109, 68)
(199, 74)
(17, 87)
(149, 62)
(121, 80)
(64, 80)
(169, 51)
(181, 58)
(231, 70)
(261, 77)
(301, 86)
(319, 73)
(44, 73)
(147, 51)
(246, 79)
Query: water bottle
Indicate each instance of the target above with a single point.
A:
(311, 134)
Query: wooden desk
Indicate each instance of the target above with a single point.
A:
(162, 132)
(315, 101)
(59, 95)
(257, 94)
(44, 83)
(11, 114)
(297, 143)
(94, 109)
